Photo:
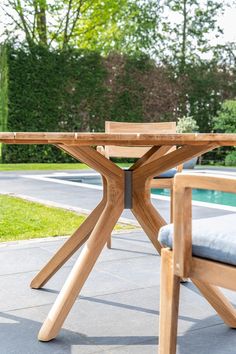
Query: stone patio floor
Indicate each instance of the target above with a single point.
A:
(118, 310)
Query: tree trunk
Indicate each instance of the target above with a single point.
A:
(41, 21)
(184, 38)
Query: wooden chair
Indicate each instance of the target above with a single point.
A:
(163, 181)
(203, 250)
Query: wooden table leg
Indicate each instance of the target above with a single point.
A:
(153, 163)
(142, 208)
(68, 249)
(80, 271)
(113, 178)
(148, 217)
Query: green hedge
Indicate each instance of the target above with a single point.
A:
(51, 91)
(74, 90)
(3, 89)
(78, 90)
(62, 91)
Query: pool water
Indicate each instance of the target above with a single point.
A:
(201, 195)
(207, 196)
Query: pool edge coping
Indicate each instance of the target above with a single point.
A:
(49, 178)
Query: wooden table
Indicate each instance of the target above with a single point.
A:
(121, 189)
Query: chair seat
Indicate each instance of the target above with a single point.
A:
(212, 238)
(168, 174)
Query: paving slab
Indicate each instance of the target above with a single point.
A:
(217, 339)
(112, 273)
(18, 257)
(18, 335)
(118, 310)
(20, 260)
(125, 321)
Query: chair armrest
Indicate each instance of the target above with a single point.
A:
(224, 183)
(182, 215)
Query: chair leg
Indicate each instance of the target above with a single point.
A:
(109, 242)
(218, 301)
(169, 304)
(171, 204)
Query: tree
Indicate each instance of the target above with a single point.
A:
(128, 26)
(225, 55)
(186, 29)
(225, 121)
(124, 25)
(27, 17)
(186, 125)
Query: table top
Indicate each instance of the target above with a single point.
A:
(125, 139)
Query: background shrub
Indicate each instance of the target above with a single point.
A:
(78, 90)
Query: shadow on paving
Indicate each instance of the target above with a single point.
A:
(120, 305)
(19, 335)
(215, 339)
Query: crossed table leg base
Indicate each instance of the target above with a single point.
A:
(118, 194)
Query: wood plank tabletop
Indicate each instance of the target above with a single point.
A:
(125, 139)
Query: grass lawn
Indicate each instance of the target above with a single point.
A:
(21, 220)
(46, 166)
(66, 166)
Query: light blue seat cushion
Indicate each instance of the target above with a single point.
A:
(168, 174)
(213, 238)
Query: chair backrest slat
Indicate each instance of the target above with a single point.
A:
(124, 127)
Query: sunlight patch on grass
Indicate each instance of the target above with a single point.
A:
(42, 166)
(21, 220)
(47, 166)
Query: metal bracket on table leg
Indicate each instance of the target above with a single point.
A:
(128, 189)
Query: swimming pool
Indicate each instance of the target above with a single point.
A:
(208, 196)
(201, 195)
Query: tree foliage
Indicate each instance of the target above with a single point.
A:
(187, 125)
(174, 32)
(125, 25)
(225, 121)
(73, 66)
(187, 26)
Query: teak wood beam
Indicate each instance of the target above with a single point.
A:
(122, 189)
(174, 158)
(130, 189)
